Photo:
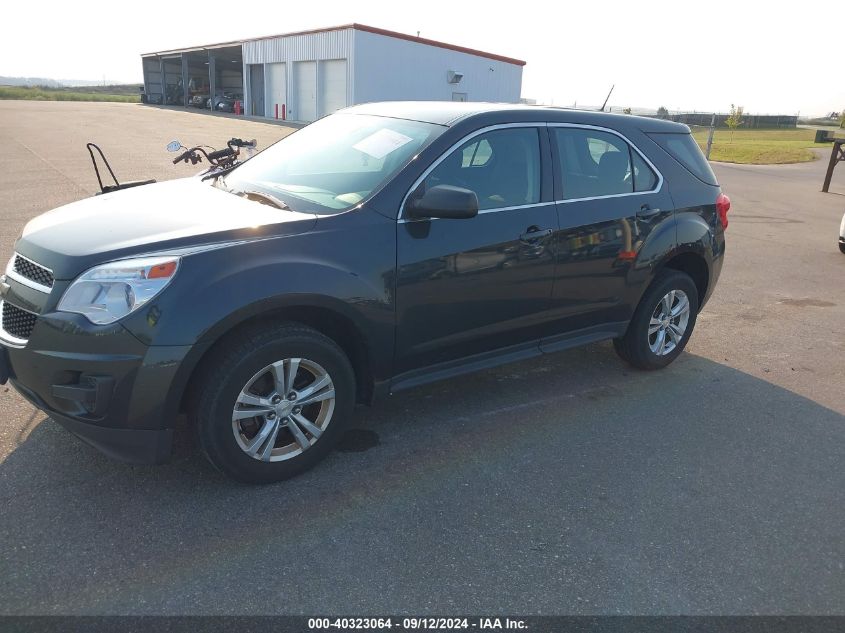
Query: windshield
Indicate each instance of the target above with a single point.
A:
(334, 163)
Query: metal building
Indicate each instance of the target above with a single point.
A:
(306, 75)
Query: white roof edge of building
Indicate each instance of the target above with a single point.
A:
(354, 26)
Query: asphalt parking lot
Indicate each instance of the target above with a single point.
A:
(568, 485)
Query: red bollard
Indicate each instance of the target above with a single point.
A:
(277, 111)
(237, 106)
(284, 113)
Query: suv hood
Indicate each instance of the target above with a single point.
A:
(162, 216)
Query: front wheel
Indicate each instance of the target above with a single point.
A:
(273, 402)
(662, 322)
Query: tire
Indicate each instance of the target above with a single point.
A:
(246, 375)
(841, 246)
(641, 344)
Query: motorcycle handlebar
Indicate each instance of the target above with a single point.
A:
(193, 153)
(237, 142)
(222, 153)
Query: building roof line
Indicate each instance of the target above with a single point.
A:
(355, 26)
(438, 44)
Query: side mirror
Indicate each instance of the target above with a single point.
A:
(443, 201)
(174, 146)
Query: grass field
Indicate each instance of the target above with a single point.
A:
(69, 94)
(761, 147)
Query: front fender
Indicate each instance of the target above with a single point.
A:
(211, 296)
(378, 340)
(346, 263)
(216, 290)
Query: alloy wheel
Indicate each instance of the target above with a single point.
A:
(668, 323)
(283, 409)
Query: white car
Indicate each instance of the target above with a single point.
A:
(842, 234)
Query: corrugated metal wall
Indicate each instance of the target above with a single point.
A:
(329, 45)
(326, 45)
(388, 68)
(152, 77)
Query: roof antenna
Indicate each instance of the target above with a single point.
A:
(606, 98)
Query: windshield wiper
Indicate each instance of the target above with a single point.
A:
(266, 197)
(220, 172)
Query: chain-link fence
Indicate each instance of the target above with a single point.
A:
(749, 121)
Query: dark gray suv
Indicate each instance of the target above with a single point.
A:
(380, 248)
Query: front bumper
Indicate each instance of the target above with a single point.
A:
(136, 446)
(102, 384)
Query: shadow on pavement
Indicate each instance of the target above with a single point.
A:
(571, 484)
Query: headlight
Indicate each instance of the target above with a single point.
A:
(109, 292)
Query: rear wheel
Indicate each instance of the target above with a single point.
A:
(662, 322)
(273, 402)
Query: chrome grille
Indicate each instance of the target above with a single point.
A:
(16, 321)
(32, 271)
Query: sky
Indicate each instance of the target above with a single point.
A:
(769, 57)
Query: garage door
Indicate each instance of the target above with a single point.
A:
(305, 78)
(332, 86)
(276, 89)
(256, 89)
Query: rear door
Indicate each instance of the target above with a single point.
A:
(609, 200)
(472, 286)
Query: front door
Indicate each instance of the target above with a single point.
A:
(475, 286)
(609, 202)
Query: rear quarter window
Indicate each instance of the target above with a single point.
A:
(684, 149)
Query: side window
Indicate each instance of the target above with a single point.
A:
(644, 177)
(502, 167)
(477, 154)
(593, 163)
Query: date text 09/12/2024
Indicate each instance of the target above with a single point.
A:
(410, 623)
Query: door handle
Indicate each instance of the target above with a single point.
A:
(647, 212)
(534, 233)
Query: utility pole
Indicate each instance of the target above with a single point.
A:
(710, 136)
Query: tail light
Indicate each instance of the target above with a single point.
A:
(723, 205)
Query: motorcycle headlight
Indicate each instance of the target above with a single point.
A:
(109, 292)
